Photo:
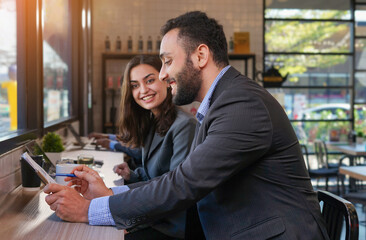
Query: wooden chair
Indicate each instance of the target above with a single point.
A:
(321, 171)
(336, 211)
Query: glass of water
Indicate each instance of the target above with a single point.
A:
(86, 159)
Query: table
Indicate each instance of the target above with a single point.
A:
(352, 151)
(357, 172)
(355, 150)
(28, 216)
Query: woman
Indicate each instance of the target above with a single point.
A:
(150, 121)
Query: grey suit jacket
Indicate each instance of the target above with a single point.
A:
(246, 173)
(162, 154)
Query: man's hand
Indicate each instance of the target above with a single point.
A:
(68, 204)
(97, 135)
(88, 182)
(104, 142)
(123, 170)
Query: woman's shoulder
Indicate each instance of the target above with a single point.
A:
(183, 116)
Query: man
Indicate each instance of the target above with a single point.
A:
(245, 171)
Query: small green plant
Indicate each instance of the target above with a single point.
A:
(52, 143)
(360, 134)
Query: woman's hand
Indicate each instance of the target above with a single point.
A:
(97, 135)
(104, 142)
(123, 170)
(88, 183)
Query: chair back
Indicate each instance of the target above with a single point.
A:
(305, 154)
(321, 153)
(337, 211)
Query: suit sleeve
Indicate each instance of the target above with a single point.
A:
(137, 175)
(135, 153)
(239, 132)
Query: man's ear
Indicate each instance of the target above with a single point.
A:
(203, 53)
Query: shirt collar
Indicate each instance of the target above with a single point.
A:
(205, 105)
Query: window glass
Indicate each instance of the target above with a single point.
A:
(360, 20)
(360, 87)
(312, 70)
(56, 60)
(307, 37)
(314, 104)
(307, 132)
(360, 118)
(310, 9)
(360, 56)
(8, 67)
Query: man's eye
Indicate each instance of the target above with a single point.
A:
(167, 62)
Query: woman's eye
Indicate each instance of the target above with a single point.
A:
(150, 80)
(134, 86)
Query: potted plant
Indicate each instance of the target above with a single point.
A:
(359, 137)
(52, 146)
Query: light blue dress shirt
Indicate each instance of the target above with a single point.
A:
(205, 104)
(99, 212)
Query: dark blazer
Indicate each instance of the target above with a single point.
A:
(246, 173)
(162, 154)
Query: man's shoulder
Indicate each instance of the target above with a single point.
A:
(234, 81)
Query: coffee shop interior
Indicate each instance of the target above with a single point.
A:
(62, 64)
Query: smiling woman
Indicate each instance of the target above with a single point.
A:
(149, 120)
(147, 90)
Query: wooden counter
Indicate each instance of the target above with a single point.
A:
(28, 216)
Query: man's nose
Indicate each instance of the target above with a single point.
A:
(163, 75)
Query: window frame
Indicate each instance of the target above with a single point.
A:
(357, 37)
(30, 74)
(351, 53)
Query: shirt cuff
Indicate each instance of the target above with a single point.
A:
(112, 144)
(112, 137)
(99, 212)
(120, 189)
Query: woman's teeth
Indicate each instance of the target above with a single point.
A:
(147, 98)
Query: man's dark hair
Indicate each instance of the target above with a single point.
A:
(196, 28)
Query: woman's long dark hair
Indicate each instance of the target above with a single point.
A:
(135, 121)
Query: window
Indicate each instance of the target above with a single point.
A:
(57, 48)
(39, 58)
(8, 67)
(311, 44)
(360, 66)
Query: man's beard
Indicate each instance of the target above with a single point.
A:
(188, 84)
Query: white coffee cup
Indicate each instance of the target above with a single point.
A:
(65, 168)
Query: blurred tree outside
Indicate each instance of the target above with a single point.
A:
(307, 37)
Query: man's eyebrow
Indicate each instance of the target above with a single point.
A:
(162, 55)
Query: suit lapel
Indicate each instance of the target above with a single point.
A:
(147, 145)
(156, 141)
(224, 82)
